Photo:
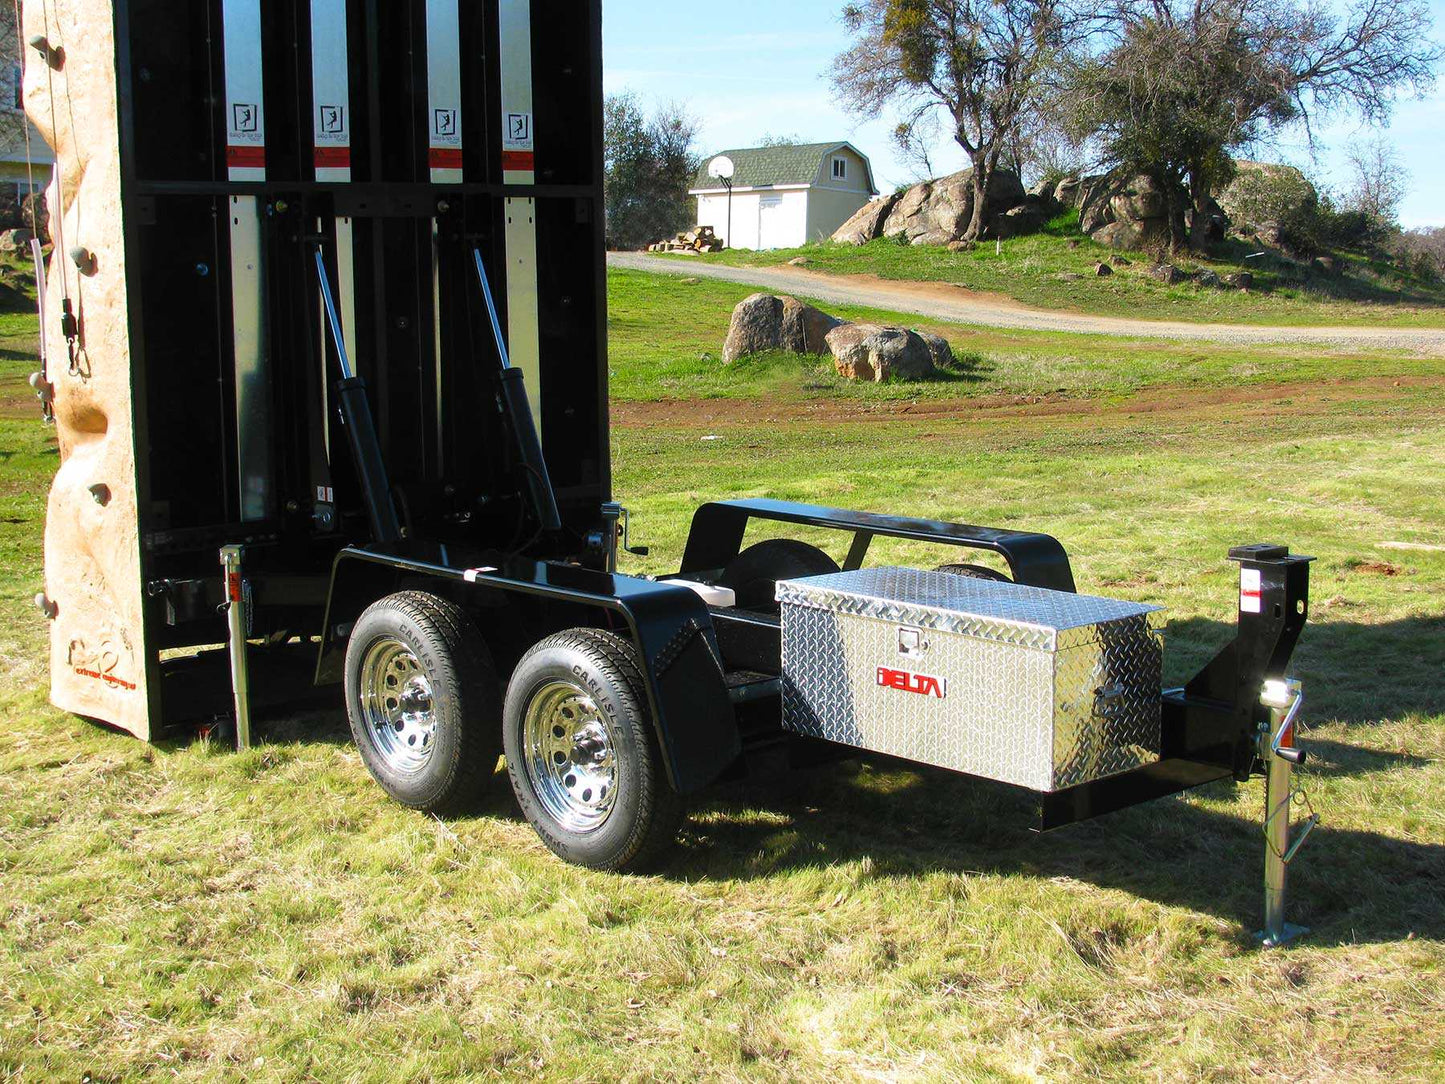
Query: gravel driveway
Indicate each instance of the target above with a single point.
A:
(942, 301)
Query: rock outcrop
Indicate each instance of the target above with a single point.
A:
(934, 212)
(867, 222)
(1130, 213)
(1266, 200)
(1018, 221)
(1066, 192)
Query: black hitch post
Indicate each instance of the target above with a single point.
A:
(1273, 609)
(360, 428)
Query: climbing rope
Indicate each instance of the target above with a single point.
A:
(68, 325)
(37, 256)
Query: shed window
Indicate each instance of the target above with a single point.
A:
(840, 169)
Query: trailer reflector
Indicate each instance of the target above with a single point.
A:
(1250, 591)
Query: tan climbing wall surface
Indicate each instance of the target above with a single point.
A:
(92, 555)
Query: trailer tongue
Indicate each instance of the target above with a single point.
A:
(294, 354)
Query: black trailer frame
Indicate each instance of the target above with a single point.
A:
(702, 662)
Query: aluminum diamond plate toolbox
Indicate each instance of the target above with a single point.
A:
(1044, 689)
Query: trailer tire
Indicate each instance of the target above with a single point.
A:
(974, 572)
(583, 754)
(418, 651)
(753, 574)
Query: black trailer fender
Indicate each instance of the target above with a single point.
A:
(670, 625)
(718, 528)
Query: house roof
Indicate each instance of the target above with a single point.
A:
(795, 163)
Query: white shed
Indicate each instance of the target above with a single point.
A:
(785, 196)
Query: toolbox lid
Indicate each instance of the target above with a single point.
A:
(994, 610)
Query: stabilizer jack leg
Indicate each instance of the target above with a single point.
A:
(1278, 752)
(238, 621)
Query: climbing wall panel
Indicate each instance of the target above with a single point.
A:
(92, 552)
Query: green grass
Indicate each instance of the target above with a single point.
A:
(177, 910)
(1029, 269)
(666, 335)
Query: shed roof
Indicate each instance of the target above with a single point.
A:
(794, 163)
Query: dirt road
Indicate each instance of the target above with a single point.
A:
(943, 301)
(1270, 400)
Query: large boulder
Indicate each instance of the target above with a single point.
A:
(912, 214)
(1066, 192)
(756, 327)
(805, 328)
(1124, 211)
(1275, 203)
(15, 240)
(1208, 224)
(27, 213)
(1139, 200)
(933, 212)
(1017, 221)
(1041, 191)
(37, 214)
(876, 353)
(867, 222)
(938, 349)
(12, 210)
(1134, 236)
(1092, 198)
(766, 322)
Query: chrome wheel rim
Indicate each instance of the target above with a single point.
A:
(569, 756)
(397, 705)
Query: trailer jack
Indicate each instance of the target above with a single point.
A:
(1279, 755)
(238, 621)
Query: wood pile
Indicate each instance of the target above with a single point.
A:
(700, 239)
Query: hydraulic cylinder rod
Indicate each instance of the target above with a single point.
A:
(360, 428)
(513, 392)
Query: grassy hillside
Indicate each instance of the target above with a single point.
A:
(666, 335)
(1044, 271)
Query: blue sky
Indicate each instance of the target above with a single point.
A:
(756, 67)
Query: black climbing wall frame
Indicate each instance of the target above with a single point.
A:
(397, 136)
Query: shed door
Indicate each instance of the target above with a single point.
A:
(771, 226)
